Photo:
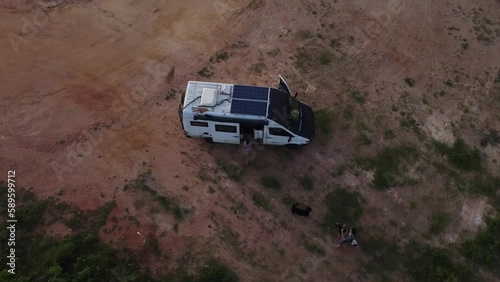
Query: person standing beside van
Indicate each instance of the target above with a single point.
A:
(247, 149)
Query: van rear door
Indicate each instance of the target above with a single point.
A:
(224, 132)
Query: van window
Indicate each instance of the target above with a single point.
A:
(225, 128)
(199, 123)
(278, 131)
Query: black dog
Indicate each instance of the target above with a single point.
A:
(301, 212)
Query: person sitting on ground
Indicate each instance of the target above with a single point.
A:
(350, 236)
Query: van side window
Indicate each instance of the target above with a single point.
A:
(278, 131)
(199, 123)
(225, 128)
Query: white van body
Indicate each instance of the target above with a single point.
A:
(226, 113)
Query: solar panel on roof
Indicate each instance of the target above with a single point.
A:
(245, 107)
(250, 92)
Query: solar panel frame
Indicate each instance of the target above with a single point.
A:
(249, 107)
(250, 92)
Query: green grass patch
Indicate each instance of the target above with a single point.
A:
(28, 208)
(270, 182)
(324, 58)
(325, 121)
(460, 155)
(261, 201)
(425, 263)
(214, 271)
(343, 206)
(439, 222)
(384, 256)
(307, 183)
(486, 185)
(484, 248)
(391, 165)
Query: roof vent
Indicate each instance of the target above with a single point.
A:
(226, 89)
(208, 97)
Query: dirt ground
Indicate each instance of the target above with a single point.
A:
(89, 99)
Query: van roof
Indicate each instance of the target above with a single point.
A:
(229, 99)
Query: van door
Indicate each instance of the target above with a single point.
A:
(224, 132)
(277, 135)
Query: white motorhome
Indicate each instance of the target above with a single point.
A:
(226, 113)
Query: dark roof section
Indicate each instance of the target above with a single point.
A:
(308, 124)
(278, 106)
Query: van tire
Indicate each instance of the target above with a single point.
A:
(293, 146)
(208, 140)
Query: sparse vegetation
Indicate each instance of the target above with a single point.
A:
(167, 203)
(339, 170)
(288, 200)
(336, 43)
(204, 72)
(219, 57)
(240, 44)
(314, 248)
(325, 120)
(274, 52)
(170, 94)
(270, 182)
(389, 134)
(261, 201)
(492, 138)
(307, 183)
(258, 68)
(410, 81)
(358, 97)
(303, 34)
(233, 171)
(391, 165)
(364, 133)
(324, 58)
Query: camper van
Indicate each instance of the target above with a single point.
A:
(228, 113)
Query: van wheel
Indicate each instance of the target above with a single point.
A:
(208, 140)
(293, 146)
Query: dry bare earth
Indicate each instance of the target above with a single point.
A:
(90, 95)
